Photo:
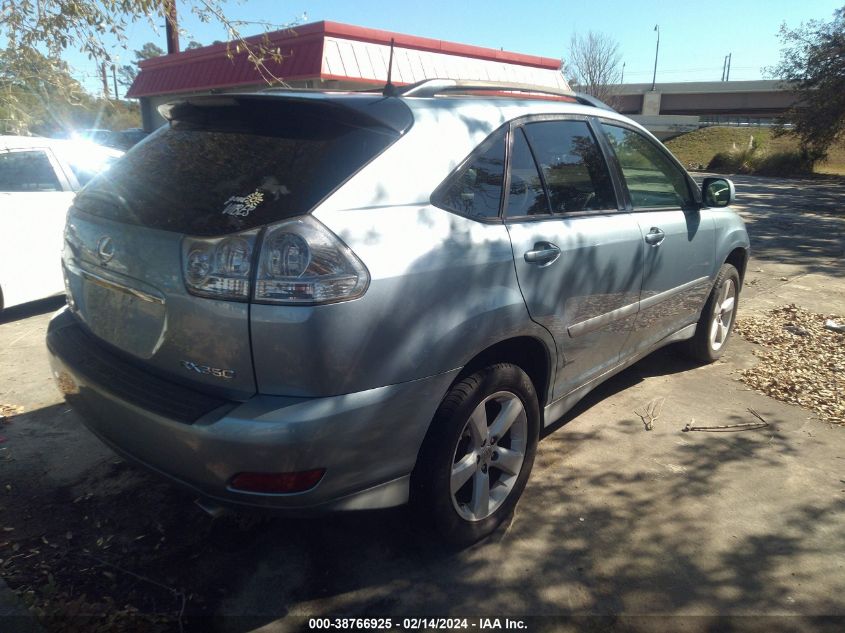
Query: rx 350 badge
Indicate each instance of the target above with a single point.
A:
(225, 374)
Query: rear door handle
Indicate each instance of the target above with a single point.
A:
(544, 253)
(655, 236)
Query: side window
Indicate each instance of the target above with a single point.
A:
(27, 171)
(574, 170)
(526, 195)
(653, 180)
(476, 188)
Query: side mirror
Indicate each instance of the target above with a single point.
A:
(717, 192)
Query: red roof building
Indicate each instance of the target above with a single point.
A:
(330, 55)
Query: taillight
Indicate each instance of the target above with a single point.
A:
(219, 267)
(301, 262)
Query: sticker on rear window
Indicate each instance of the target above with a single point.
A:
(242, 206)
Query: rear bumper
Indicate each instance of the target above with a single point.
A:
(367, 441)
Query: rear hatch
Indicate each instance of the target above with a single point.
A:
(223, 165)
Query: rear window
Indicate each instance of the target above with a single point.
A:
(222, 169)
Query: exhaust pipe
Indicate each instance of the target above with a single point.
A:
(212, 509)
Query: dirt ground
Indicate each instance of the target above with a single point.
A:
(615, 521)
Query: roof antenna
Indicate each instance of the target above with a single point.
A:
(389, 88)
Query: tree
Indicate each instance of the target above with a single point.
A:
(28, 80)
(38, 95)
(53, 26)
(148, 51)
(99, 28)
(192, 45)
(593, 64)
(127, 73)
(813, 62)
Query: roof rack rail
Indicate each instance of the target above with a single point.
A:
(432, 87)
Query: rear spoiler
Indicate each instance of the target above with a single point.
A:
(353, 109)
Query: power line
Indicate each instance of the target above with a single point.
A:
(689, 70)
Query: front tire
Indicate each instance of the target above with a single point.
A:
(478, 454)
(717, 319)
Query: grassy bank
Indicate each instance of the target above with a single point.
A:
(699, 147)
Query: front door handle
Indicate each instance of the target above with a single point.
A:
(544, 253)
(655, 236)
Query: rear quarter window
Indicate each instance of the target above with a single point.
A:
(475, 189)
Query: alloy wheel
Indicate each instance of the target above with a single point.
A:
(489, 456)
(723, 314)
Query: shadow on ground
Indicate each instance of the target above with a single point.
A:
(614, 520)
(800, 222)
(637, 528)
(26, 310)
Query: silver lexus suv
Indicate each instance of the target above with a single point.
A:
(313, 301)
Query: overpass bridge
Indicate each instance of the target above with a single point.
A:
(673, 108)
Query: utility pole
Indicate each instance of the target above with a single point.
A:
(105, 81)
(171, 27)
(114, 79)
(724, 67)
(656, 51)
(728, 73)
(622, 78)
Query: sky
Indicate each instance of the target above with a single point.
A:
(695, 37)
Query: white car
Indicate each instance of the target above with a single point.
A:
(38, 179)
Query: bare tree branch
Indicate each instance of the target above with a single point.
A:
(594, 64)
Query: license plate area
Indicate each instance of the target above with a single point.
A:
(125, 313)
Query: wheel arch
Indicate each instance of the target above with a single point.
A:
(738, 258)
(527, 352)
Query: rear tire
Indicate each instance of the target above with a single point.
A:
(477, 457)
(717, 319)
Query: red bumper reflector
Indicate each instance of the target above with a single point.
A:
(278, 482)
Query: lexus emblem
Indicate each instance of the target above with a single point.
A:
(105, 249)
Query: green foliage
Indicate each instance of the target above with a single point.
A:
(813, 60)
(38, 96)
(126, 74)
(786, 163)
(737, 162)
(28, 81)
(753, 161)
(47, 28)
(697, 148)
(148, 51)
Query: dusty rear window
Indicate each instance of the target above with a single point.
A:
(220, 170)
